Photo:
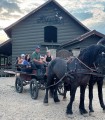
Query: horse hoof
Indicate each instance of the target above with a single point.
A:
(70, 116)
(103, 111)
(57, 102)
(45, 104)
(64, 99)
(91, 114)
(86, 115)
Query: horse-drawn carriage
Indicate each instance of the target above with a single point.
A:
(35, 79)
(36, 82)
(78, 72)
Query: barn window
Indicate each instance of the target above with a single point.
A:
(50, 34)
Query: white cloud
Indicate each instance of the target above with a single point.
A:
(5, 22)
(81, 5)
(98, 18)
(95, 7)
(3, 36)
(30, 4)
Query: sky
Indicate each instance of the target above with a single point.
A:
(89, 12)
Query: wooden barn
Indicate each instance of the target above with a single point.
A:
(52, 27)
(5, 54)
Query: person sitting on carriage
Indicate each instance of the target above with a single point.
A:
(19, 62)
(22, 59)
(26, 64)
(48, 57)
(27, 60)
(37, 63)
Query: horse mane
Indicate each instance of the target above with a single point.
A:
(89, 54)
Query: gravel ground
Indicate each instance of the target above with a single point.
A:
(15, 106)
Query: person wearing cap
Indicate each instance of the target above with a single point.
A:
(27, 65)
(19, 60)
(22, 58)
(36, 60)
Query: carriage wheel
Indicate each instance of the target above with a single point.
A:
(61, 89)
(19, 85)
(34, 89)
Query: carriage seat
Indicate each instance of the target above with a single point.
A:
(19, 67)
(23, 68)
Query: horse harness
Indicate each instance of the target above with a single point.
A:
(70, 73)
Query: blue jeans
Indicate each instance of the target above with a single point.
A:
(39, 67)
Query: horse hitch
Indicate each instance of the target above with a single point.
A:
(69, 75)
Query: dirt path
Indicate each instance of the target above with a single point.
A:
(15, 106)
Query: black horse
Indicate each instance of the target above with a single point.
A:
(90, 54)
(79, 74)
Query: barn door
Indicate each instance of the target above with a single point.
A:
(50, 34)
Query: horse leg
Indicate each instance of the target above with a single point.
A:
(82, 98)
(46, 96)
(91, 84)
(56, 99)
(64, 96)
(49, 81)
(51, 92)
(65, 91)
(72, 97)
(100, 93)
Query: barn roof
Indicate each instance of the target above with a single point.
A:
(9, 28)
(82, 38)
(6, 48)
